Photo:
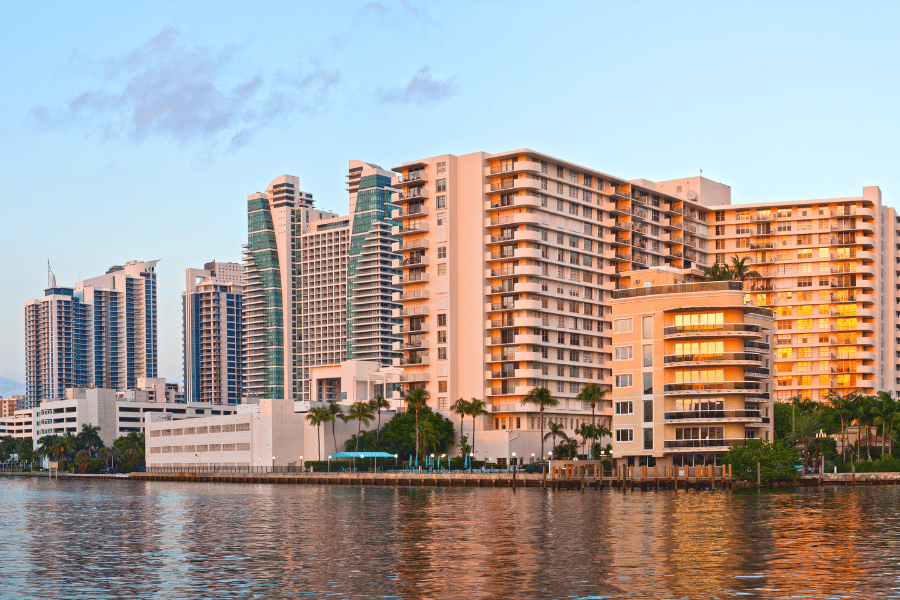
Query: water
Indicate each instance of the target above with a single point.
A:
(115, 539)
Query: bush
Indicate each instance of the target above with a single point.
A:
(776, 461)
(94, 467)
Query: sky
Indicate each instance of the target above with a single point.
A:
(135, 132)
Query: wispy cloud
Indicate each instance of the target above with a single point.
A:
(373, 8)
(421, 89)
(170, 88)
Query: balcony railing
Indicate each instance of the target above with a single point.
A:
(745, 327)
(710, 286)
(712, 386)
(716, 357)
(713, 414)
(707, 443)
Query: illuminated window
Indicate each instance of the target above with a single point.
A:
(823, 380)
(804, 352)
(804, 366)
(804, 324)
(823, 324)
(805, 310)
(806, 380)
(784, 352)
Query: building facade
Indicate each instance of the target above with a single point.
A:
(272, 348)
(508, 263)
(102, 332)
(213, 329)
(19, 424)
(691, 370)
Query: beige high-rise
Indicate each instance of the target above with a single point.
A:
(509, 259)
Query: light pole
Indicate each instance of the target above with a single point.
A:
(273, 464)
(432, 462)
(395, 459)
(301, 463)
(448, 461)
(513, 467)
(532, 457)
(471, 462)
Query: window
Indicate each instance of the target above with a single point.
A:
(804, 282)
(442, 403)
(442, 218)
(442, 386)
(624, 408)
(442, 269)
(442, 336)
(648, 387)
(442, 319)
(720, 216)
(624, 435)
(442, 353)
(648, 439)
(442, 201)
(624, 381)
(647, 355)
(441, 167)
(442, 251)
(647, 328)
(622, 325)
(442, 185)
(624, 353)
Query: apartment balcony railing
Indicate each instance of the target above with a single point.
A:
(711, 386)
(678, 415)
(715, 357)
(712, 329)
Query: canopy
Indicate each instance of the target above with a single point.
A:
(361, 455)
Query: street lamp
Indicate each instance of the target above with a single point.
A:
(532, 457)
(273, 464)
(432, 462)
(448, 461)
(301, 462)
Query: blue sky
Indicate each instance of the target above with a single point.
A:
(136, 132)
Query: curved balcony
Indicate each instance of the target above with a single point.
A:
(514, 202)
(725, 329)
(712, 387)
(688, 445)
(720, 358)
(736, 416)
(865, 241)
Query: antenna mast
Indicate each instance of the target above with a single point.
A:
(51, 278)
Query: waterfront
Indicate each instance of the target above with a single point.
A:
(95, 539)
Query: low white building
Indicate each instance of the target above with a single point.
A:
(273, 436)
(19, 425)
(114, 415)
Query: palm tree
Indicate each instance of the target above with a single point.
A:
(316, 416)
(330, 414)
(555, 430)
(884, 413)
(61, 446)
(740, 271)
(378, 404)
(461, 407)
(89, 436)
(717, 272)
(593, 393)
(600, 431)
(805, 429)
(106, 455)
(476, 409)
(83, 460)
(363, 413)
(541, 396)
(842, 410)
(415, 400)
(586, 431)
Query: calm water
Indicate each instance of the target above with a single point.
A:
(115, 539)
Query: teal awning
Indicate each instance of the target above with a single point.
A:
(361, 455)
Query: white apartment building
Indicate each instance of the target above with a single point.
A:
(114, 415)
(19, 424)
(213, 328)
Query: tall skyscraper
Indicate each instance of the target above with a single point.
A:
(272, 347)
(370, 269)
(212, 312)
(102, 333)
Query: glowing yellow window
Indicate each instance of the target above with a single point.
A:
(804, 324)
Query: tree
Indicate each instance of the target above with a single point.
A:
(476, 409)
(842, 406)
(805, 430)
(556, 429)
(717, 272)
(884, 413)
(601, 431)
(541, 396)
(461, 407)
(316, 416)
(106, 455)
(362, 412)
(776, 460)
(330, 414)
(82, 460)
(740, 271)
(398, 436)
(415, 401)
(586, 431)
(129, 450)
(89, 438)
(595, 394)
(378, 404)
(61, 446)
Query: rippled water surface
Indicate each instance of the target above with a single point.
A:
(115, 539)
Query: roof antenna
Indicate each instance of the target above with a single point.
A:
(51, 278)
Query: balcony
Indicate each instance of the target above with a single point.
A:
(714, 415)
(413, 193)
(721, 358)
(707, 443)
(711, 330)
(411, 213)
(410, 229)
(411, 361)
(712, 387)
(411, 178)
(411, 245)
(407, 329)
(409, 280)
(412, 261)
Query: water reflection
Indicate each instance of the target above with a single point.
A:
(110, 539)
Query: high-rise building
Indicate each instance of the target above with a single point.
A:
(370, 270)
(319, 287)
(509, 260)
(100, 333)
(272, 318)
(691, 372)
(212, 313)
